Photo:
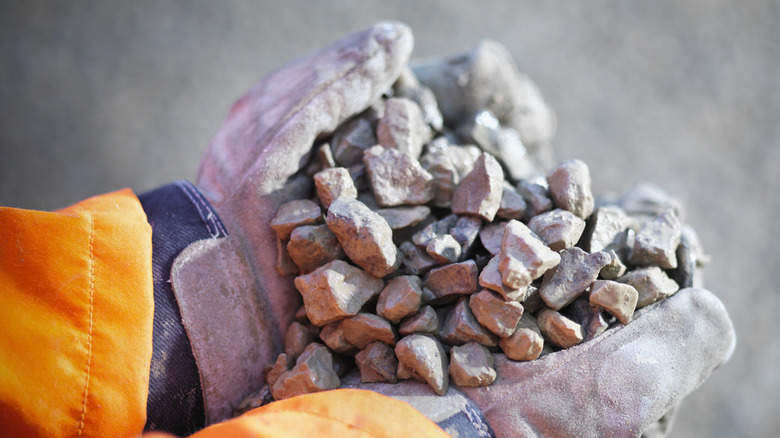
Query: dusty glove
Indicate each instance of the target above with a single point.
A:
(236, 306)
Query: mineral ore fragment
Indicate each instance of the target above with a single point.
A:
(396, 178)
(416, 260)
(402, 217)
(512, 205)
(651, 283)
(494, 313)
(462, 327)
(445, 178)
(333, 336)
(412, 89)
(569, 184)
(325, 156)
(402, 127)
(365, 328)
(312, 246)
(558, 329)
(335, 291)
(607, 230)
(479, 193)
(490, 278)
(656, 242)
(350, 141)
(444, 249)
(423, 322)
(284, 263)
(425, 358)
(465, 232)
(452, 280)
(490, 235)
(536, 197)
(614, 269)
(559, 229)
(576, 271)
(434, 229)
(313, 372)
(293, 214)
(523, 257)
(400, 298)
(333, 184)
(282, 365)
(472, 365)
(618, 299)
(649, 200)
(296, 339)
(366, 237)
(588, 316)
(533, 301)
(526, 342)
(377, 363)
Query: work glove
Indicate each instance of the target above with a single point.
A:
(236, 306)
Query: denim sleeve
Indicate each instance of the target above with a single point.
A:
(179, 215)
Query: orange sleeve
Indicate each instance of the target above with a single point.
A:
(343, 413)
(76, 300)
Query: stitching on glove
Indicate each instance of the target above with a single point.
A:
(207, 215)
(91, 319)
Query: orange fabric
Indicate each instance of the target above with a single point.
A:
(343, 413)
(76, 301)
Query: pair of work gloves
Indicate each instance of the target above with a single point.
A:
(236, 307)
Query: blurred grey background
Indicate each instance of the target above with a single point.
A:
(96, 96)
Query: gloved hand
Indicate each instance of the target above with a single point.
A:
(236, 306)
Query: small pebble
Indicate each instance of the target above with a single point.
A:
(396, 178)
(526, 342)
(569, 185)
(472, 365)
(559, 330)
(377, 363)
(293, 214)
(479, 193)
(425, 358)
(559, 229)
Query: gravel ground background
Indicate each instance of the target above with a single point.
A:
(95, 97)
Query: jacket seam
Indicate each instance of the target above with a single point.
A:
(91, 321)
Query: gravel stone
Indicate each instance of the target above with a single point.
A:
(490, 235)
(569, 184)
(445, 178)
(400, 298)
(479, 193)
(462, 327)
(351, 140)
(651, 283)
(366, 237)
(333, 184)
(607, 230)
(526, 342)
(452, 280)
(648, 199)
(365, 328)
(537, 199)
(296, 339)
(559, 330)
(618, 299)
(293, 214)
(325, 156)
(313, 372)
(333, 336)
(312, 246)
(533, 301)
(283, 364)
(465, 232)
(335, 291)
(656, 242)
(402, 217)
(424, 358)
(614, 269)
(422, 96)
(359, 176)
(490, 278)
(571, 277)
(377, 363)
(284, 263)
(559, 229)
(512, 204)
(423, 322)
(438, 228)
(589, 317)
(444, 249)
(416, 260)
(396, 178)
(494, 313)
(472, 365)
(523, 257)
(402, 127)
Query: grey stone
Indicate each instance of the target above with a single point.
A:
(462, 327)
(423, 357)
(494, 313)
(293, 214)
(351, 140)
(365, 236)
(685, 273)
(472, 365)
(365, 328)
(397, 178)
(571, 277)
(312, 246)
(523, 257)
(452, 280)
(651, 283)
(444, 249)
(512, 204)
(569, 185)
(359, 176)
(618, 299)
(402, 217)
(490, 278)
(434, 229)
(416, 260)
(533, 301)
(333, 184)
(607, 230)
(479, 193)
(648, 199)
(559, 330)
(526, 342)
(423, 322)
(402, 127)
(409, 87)
(536, 197)
(445, 178)
(482, 129)
(296, 339)
(283, 364)
(336, 290)
(284, 263)
(325, 156)
(377, 363)
(490, 235)
(589, 317)
(333, 336)
(559, 229)
(614, 269)
(400, 298)
(656, 242)
(465, 232)
(313, 372)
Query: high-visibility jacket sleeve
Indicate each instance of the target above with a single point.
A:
(76, 300)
